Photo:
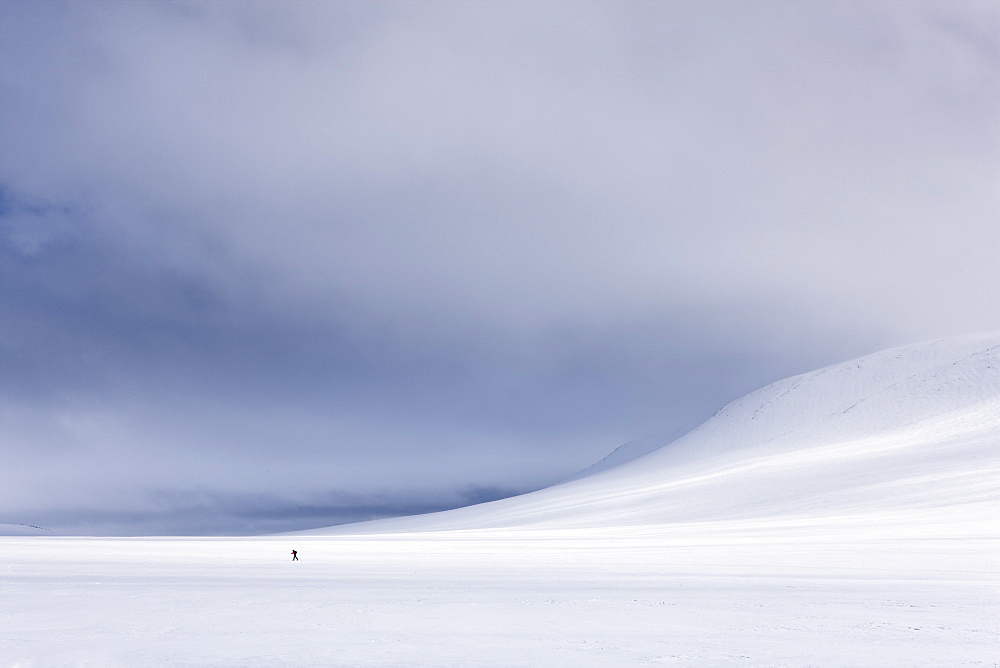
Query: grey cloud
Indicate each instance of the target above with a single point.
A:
(433, 147)
(172, 512)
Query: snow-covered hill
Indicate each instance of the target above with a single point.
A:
(908, 436)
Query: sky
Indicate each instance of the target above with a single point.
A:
(275, 266)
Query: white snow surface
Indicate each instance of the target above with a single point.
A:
(845, 517)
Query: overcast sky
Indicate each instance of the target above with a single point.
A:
(282, 265)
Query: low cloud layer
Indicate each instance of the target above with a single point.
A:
(259, 259)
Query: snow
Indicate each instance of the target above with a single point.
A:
(620, 455)
(699, 596)
(847, 516)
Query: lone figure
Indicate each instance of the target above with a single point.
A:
(295, 555)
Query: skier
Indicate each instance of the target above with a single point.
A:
(295, 555)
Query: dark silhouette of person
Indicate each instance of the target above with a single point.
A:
(295, 555)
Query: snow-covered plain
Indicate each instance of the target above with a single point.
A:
(850, 516)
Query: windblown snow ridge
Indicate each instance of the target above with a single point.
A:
(907, 435)
(15, 529)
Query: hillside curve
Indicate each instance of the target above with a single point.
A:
(906, 435)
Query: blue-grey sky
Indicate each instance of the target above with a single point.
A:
(270, 266)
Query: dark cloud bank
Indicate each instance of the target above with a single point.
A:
(269, 266)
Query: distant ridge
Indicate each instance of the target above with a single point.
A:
(899, 437)
(625, 452)
(15, 529)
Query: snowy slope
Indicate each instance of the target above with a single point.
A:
(623, 453)
(908, 436)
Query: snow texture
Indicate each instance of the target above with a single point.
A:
(847, 516)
